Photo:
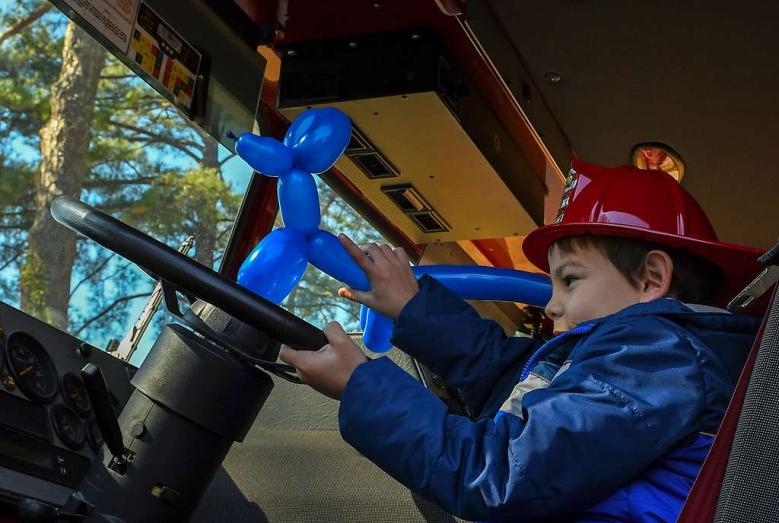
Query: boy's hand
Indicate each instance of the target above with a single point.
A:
(389, 273)
(327, 370)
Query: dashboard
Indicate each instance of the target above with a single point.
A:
(48, 433)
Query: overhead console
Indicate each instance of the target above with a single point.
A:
(426, 149)
(48, 433)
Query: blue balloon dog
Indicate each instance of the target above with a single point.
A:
(312, 144)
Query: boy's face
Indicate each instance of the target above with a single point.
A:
(585, 286)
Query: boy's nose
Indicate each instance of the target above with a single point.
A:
(553, 309)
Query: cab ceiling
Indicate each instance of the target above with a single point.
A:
(701, 77)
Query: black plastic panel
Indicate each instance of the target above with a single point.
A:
(365, 67)
(24, 416)
(30, 449)
(40, 459)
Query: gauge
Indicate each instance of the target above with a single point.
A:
(75, 394)
(6, 380)
(94, 435)
(69, 426)
(31, 367)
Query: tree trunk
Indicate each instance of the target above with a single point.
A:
(45, 278)
(205, 242)
(210, 151)
(205, 232)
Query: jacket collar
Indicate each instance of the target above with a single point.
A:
(659, 306)
(716, 319)
(710, 317)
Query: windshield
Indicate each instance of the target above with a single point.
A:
(74, 120)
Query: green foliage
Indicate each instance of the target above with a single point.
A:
(188, 198)
(29, 63)
(198, 201)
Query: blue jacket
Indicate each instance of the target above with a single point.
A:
(607, 422)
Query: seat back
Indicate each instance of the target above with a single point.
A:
(739, 481)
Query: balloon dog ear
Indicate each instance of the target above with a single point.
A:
(317, 138)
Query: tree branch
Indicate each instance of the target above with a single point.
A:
(118, 77)
(120, 182)
(22, 24)
(92, 274)
(117, 272)
(182, 145)
(107, 309)
(224, 232)
(147, 105)
(11, 260)
(226, 159)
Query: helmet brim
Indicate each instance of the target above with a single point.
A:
(738, 262)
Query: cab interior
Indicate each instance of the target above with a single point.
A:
(465, 115)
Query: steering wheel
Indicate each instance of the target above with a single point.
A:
(173, 267)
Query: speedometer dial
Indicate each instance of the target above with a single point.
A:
(69, 427)
(75, 394)
(31, 367)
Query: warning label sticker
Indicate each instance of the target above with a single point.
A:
(112, 18)
(163, 54)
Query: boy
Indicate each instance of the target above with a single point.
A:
(608, 421)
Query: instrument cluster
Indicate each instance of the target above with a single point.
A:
(48, 432)
(26, 365)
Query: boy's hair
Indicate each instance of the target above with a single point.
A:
(694, 280)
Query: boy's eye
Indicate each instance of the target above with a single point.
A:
(568, 280)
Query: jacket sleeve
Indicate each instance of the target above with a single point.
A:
(631, 393)
(442, 331)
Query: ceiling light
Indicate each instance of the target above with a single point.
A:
(658, 156)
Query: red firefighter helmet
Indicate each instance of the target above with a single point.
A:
(645, 204)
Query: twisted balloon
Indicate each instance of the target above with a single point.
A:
(312, 144)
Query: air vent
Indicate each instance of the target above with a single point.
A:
(365, 156)
(413, 205)
(358, 143)
(373, 165)
(406, 197)
(429, 222)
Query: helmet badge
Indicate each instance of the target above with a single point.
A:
(570, 184)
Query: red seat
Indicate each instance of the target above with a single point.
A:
(701, 505)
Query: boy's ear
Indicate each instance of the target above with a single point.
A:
(656, 280)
